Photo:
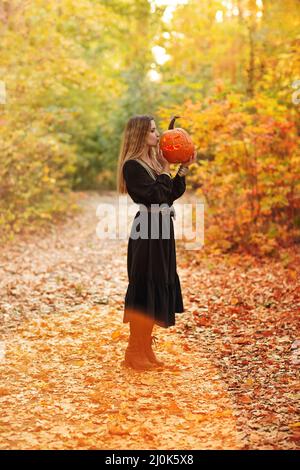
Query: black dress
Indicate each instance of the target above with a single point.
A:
(154, 287)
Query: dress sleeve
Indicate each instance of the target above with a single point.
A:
(144, 189)
(178, 187)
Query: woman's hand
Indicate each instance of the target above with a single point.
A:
(191, 160)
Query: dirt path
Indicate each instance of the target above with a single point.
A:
(63, 340)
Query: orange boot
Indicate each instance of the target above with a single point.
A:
(135, 356)
(149, 340)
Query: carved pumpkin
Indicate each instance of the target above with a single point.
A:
(176, 144)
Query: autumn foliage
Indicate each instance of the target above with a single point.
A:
(73, 72)
(248, 171)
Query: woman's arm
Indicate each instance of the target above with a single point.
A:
(178, 185)
(143, 189)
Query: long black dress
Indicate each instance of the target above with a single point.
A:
(154, 287)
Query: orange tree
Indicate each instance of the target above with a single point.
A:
(248, 170)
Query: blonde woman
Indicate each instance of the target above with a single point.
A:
(154, 293)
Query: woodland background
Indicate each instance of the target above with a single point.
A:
(71, 74)
(73, 71)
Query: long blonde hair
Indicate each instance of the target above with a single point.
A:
(133, 145)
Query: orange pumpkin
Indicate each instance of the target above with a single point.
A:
(176, 144)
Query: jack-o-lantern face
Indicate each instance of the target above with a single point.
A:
(176, 144)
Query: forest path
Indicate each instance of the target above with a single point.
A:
(63, 341)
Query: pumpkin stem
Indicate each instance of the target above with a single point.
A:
(172, 122)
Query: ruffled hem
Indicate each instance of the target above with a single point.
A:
(158, 301)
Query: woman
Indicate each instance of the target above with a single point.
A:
(154, 293)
